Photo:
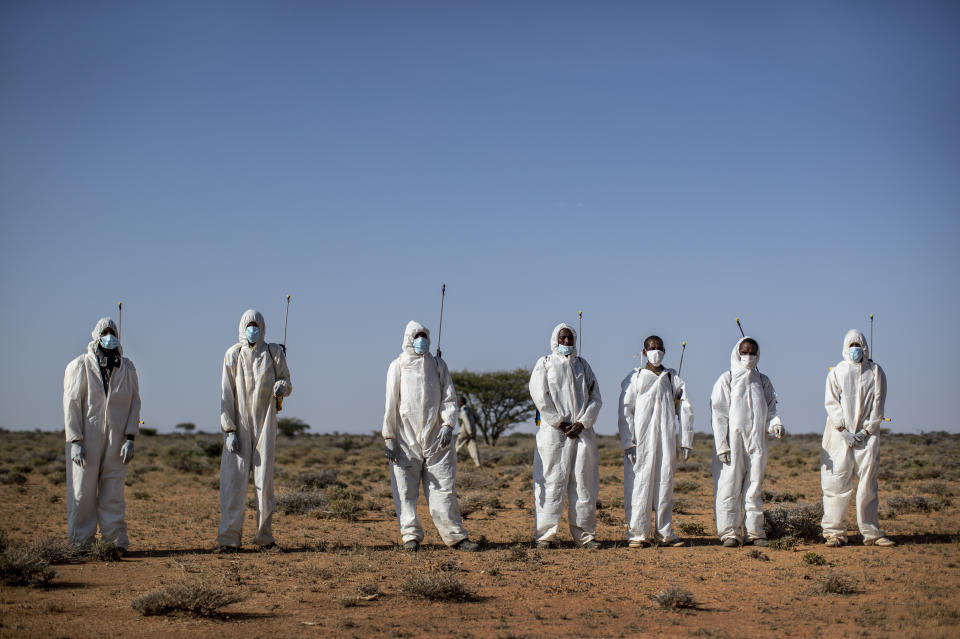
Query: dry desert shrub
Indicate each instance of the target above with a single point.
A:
(105, 551)
(21, 565)
(915, 504)
(801, 521)
(675, 598)
(197, 599)
(443, 586)
(301, 502)
(56, 550)
(691, 528)
(834, 585)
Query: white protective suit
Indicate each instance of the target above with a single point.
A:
(101, 422)
(743, 410)
(248, 408)
(647, 420)
(468, 433)
(565, 389)
(420, 400)
(855, 396)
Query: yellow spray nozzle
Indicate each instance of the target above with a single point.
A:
(871, 315)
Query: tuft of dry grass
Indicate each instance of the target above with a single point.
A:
(801, 521)
(197, 599)
(21, 565)
(438, 587)
(834, 585)
(675, 598)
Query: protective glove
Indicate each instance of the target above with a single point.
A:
(575, 430)
(631, 454)
(446, 436)
(278, 388)
(849, 437)
(392, 451)
(776, 430)
(724, 458)
(126, 451)
(76, 453)
(233, 442)
(860, 436)
(684, 453)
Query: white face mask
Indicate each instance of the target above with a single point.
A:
(655, 357)
(749, 362)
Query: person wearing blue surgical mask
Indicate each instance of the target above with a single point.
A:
(856, 393)
(255, 374)
(101, 407)
(418, 419)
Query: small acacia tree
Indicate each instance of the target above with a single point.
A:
(291, 426)
(501, 399)
(186, 427)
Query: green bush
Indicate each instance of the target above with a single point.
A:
(814, 559)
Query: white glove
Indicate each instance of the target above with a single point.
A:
(278, 389)
(776, 430)
(849, 437)
(446, 436)
(631, 454)
(233, 442)
(724, 457)
(126, 451)
(860, 436)
(684, 453)
(76, 453)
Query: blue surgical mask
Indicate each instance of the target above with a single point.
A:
(421, 345)
(856, 353)
(565, 350)
(252, 333)
(109, 342)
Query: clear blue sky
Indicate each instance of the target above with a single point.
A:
(663, 168)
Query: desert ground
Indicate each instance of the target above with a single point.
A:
(339, 569)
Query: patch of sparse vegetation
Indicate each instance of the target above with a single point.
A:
(105, 551)
(769, 496)
(899, 504)
(757, 554)
(681, 507)
(437, 587)
(691, 528)
(344, 504)
(787, 542)
(675, 598)
(814, 559)
(197, 599)
(835, 585)
(471, 503)
(301, 502)
(685, 486)
(801, 521)
(21, 565)
(318, 479)
(59, 551)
